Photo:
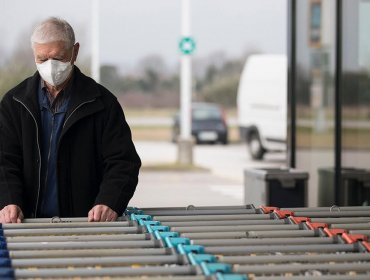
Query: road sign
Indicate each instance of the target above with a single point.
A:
(187, 45)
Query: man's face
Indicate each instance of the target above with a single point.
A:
(56, 51)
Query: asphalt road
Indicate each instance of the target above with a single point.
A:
(222, 184)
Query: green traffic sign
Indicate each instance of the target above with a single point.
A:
(187, 45)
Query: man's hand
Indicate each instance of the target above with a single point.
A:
(11, 214)
(101, 213)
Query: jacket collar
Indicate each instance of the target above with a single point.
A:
(84, 89)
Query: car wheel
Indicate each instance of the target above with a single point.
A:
(256, 149)
(224, 140)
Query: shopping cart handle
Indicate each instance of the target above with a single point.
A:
(282, 214)
(299, 220)
(222, 276)
(196, 259)
(268, 209)
(185, 249)
(316, 225)
(162, 235)
(353, 238)
(334, 231)
(172, 242)
(152, 229)
(213, 268)
(136, 217)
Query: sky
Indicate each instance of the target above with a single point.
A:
(133, 29)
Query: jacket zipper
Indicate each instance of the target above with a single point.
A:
(49, 153)
(79, 106)
(38, 148)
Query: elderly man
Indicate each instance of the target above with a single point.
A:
(65, 147)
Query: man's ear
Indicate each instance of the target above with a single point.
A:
(76, 48)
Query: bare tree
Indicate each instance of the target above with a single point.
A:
(152, 63)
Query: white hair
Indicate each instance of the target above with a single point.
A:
(52, 30)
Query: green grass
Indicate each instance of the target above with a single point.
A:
(351, 138)
(173, 167)
(162, 133)
(150, 112)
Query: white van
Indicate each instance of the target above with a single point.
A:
(262, 104)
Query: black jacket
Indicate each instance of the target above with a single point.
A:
(96, 164)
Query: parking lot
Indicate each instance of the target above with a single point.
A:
(219, 182)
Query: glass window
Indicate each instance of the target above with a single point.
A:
(355, 103)
(314, 90)
(207, 113)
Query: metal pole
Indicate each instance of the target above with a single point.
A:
(237, 217)
(199, 212)
(82, 253)
(193, 207)
(301, 268)
(92, 237)
(282, 233)
(95, 60)
(185, 75)
(268, 259)
(101, 261)
(64, 245)
(213, 229)
(338, 103)
(67, 225)
(185, 97)
(185, 145)
(65, 220)
(290, 249)
(223, 223)
(264, 241)
(292, 124)
(111, 271)
(61, 231)
(319, 277)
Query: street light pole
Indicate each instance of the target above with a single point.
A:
(185, 75)
(95, 59)
(185, 142)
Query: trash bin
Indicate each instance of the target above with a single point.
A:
(275, 187)
(354, 187)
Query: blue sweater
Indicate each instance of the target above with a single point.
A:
(52, 120)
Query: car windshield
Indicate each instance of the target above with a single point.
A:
(208, 113)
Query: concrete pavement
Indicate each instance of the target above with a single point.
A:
(164, 188)
(179, 188)
(222, 184)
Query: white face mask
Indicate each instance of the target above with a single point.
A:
(54, 72)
